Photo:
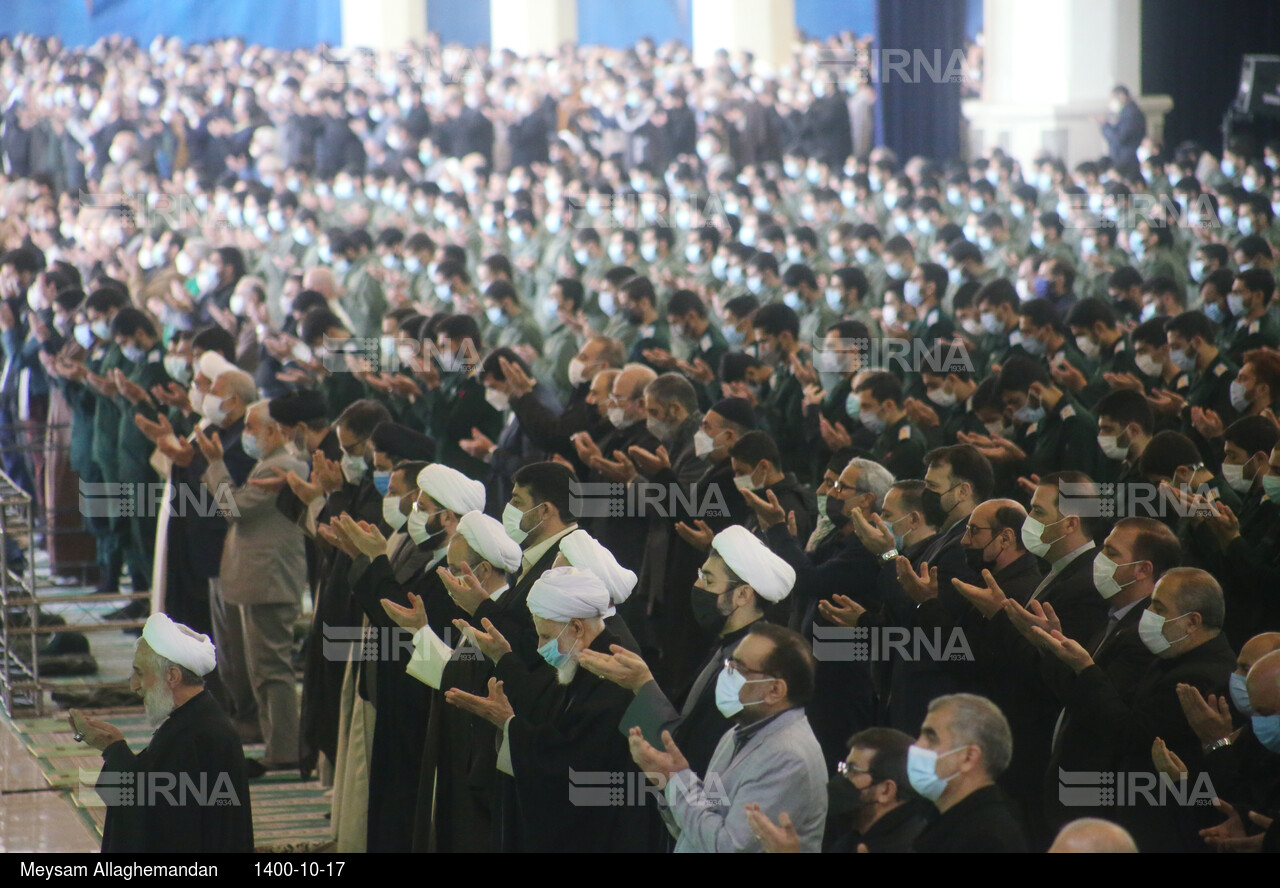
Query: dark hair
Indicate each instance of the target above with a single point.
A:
(1088, 312)
(775, 319)
(1081, 482)
(1126, 406)
(1253, 434)
(1019, 372)
(967, 464)
(548, 482)
(572, 290)
(790, 660)
(1156, 542)
(129, 321)
(1191, 324)
(755, 446)
(1166, 451)
(216, 339)
(362, 417)
(883, 386)
(888, 748)
(1258, 280)
(318, 322)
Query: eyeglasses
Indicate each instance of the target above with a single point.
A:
(838, 488)
(972, 529)
(733, 667)
(844, 769)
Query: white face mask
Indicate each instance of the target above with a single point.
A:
(1104, 576)
(212, 409)
(1032, 533)
(497, 400)
(391, 512)
(1111, 448)
(1234, 476)
(1151, 631)
(1148, 365)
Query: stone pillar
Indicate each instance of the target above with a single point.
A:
(532, 27)
(386, 24)
(1048, 68)
(766, 28)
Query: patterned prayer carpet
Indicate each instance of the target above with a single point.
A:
(288, 814)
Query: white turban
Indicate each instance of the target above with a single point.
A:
(586, 552)
(489, 540)
(451, 489)
(566, 593)
(212, 365)
(751, 560)
(181, 645)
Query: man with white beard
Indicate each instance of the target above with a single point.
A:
(559, 725)
(188, 790)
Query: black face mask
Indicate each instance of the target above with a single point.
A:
(976, 561)
(843, 798)
(706, 610)
(931, 504)
(835, 511)
(635, 318)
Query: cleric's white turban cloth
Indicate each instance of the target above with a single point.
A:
(212, 365)
(585, 552)
(489, 540)
(754, 563)
(451, 489)
(181, 645)
(567, 593)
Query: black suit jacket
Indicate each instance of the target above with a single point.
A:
(510, 613)
(983, 821)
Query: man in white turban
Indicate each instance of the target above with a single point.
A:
(583, 551)
(560, 742)
(188, 790)
(739, 581)
(454, 810)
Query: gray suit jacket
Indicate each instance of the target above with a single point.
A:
(264, 560)
(779, 767)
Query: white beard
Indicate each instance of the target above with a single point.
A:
(566, 672)
(158, 702)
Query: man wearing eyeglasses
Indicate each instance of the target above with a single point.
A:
(770, 760)
(870, 801)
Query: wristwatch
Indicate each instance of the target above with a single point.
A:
(1216, 744)
(890, 555)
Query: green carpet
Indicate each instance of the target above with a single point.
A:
(288, 814)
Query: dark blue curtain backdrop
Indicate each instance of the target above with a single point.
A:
(465, 22)
(825, 18)
(917, 115)
(286, 24)
(1191, 51)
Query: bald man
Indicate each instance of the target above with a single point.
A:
(624, 428)
(1243, 771)
(1090, 835)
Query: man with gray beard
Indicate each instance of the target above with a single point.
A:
(188, 789)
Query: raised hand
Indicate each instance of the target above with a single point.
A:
(698, 536)
(919, 587)
(658, 766)
(781, 838)
(1209, 718)
(989, 598)
(621, 666)
(768, 511)
(363, 535)
(518, 382)
(650, 462)
(210, 447)
(412, 618)
(489, 640)
(463, 587)
(495, 708)
(841, 610)
(834, 434)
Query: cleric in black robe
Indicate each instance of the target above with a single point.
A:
(188, 790)
(559, 728)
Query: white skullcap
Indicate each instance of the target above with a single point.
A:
(212, 365)
(751, 560)
(489, 540)
(177, 643)
(451, 489)
(585, 552)
(566, 593)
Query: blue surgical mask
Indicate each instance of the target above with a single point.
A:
(1240, 694)
(899, 539)
(134, 353)
(873, 421)
(249, 444)
(382, 481)
(733, 336)
(1271, 488)
(1235, 304)
(1029, 414)
(496, 316)
(551, 651)
(1267, 729)
(1213, 311)
(729, 686)
(922, 771)
(852, 406)
(1183, 359)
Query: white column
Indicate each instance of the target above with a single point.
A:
(1048, 67)
(532, 27)
(767, 28)
(385, 24)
